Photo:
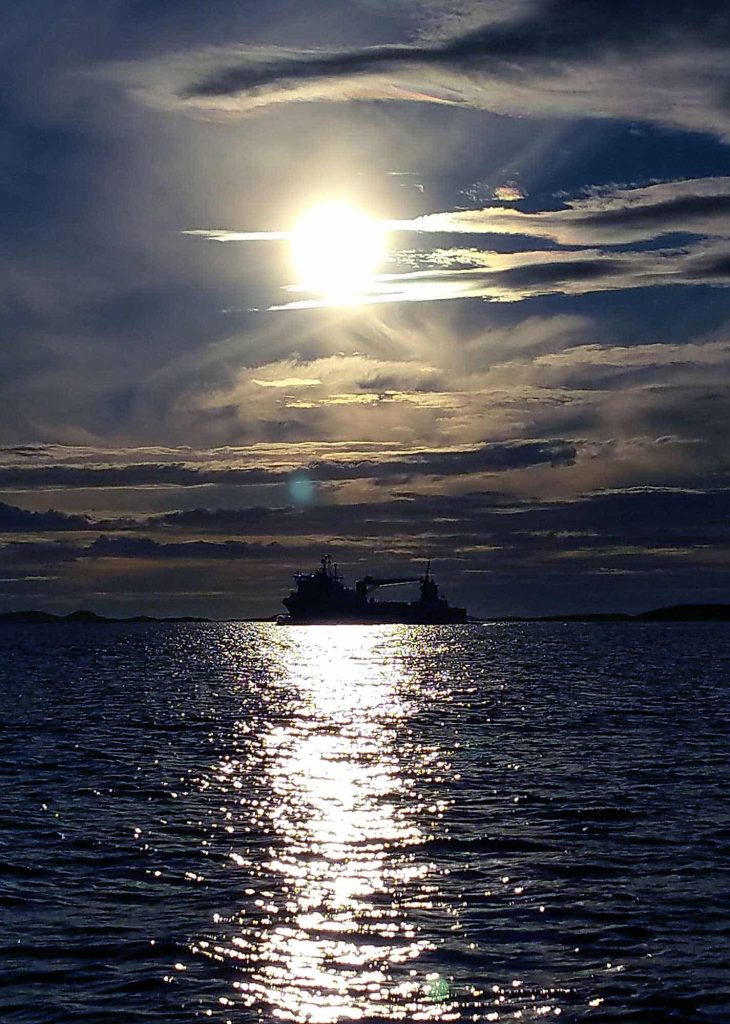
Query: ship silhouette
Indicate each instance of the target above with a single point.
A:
(323, 597)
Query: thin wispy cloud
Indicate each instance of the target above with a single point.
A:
(653, 61)
(614, 217)
(514, 278)
(224, 235)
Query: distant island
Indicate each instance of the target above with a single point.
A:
(40, 618)
(673, 613)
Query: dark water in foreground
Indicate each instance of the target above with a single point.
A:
(485, 823)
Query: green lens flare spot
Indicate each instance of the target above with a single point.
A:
(301, 490)
(437, 990)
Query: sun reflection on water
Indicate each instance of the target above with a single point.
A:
(336, 932)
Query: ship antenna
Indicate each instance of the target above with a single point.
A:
(428, 567)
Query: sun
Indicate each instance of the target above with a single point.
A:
(336, 250)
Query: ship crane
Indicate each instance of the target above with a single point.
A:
(369, 583)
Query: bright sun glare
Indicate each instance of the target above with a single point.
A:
(336, 250)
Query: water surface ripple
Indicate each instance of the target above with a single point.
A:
(243, 822)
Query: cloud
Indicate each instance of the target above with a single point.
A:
(712, 267)
(486, 458)
(624, 357)
(143, 474)
(658, 61)
(19, 520)
(46, 554)
(224, 235)
(49, 554)
(228, 520)
(606, 219)
(504, 401)
(489, 457)
(515, 277)
(191, 550)
(509, 192)
(630, 530)
(612, 216)
(288, 382)
(698, 206)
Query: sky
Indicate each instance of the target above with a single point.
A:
(528, 382)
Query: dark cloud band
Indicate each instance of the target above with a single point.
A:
(494, 457)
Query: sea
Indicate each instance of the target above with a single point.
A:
(239, 822)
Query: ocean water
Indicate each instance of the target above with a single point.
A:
(243, 822)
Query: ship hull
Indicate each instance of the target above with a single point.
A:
(378, 617)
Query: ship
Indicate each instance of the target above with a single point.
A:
(322, 597)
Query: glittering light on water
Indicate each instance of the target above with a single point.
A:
(335, 930)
